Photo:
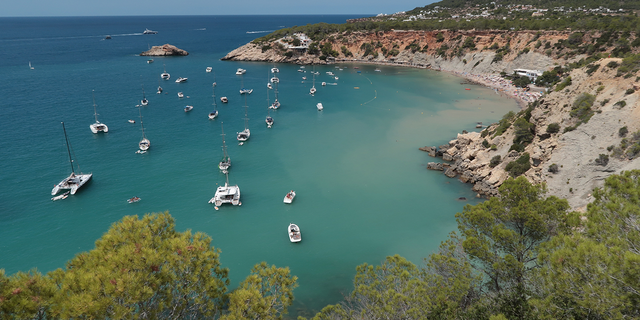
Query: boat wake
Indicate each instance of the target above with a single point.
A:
(264, 31)
(201, 29)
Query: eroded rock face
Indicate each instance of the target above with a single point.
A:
(165, 50)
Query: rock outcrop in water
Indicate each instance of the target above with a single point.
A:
(164, 50)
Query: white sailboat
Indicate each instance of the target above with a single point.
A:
(144, 143)
(97, 127)
(214, 113)
(30, 67)
(245, 134)
(144, 100)
(225, 163)
(313, 88)
(226, 194)
(159, 88)
(164, 75)
(276, 103)
(74, 181)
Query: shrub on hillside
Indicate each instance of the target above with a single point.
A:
(518, 167)
(553, 168)
(563, 84)
(581, 108)
(553, 128)
(495, 161)
(602, 159)
(623, 131)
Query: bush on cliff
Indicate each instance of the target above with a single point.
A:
(553, 128)
(504, 123)
(524, 131)
(581, 108)
(518, 167)
(563, 84)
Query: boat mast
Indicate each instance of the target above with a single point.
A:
(95, 113)
(66, 139)
(215, 106)
(143, 98)
(141, 125)
(224, 146)
(246, 120)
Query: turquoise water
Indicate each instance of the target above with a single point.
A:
(363, 192)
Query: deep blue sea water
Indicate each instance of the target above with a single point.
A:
(363, 190)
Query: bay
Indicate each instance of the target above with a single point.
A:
(363, 190)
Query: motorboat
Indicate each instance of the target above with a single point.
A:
(377, 70)
(324, 83)
(312, 90)
(247, 91)
(224, 99)
(225, 162)
(336, 78)
(131, 121)
(269, 86)
(275, 80)
(74, 181)
(240, 71)
(213, 115)
(180, 95)
(147, 31)
(150, 61)
(97, 127)
(226, 194)
(275, 70)
(134, 199)
(294, 233)
(108, 37)
(181, 79)
(289, 197)
(275, 105)
(164, 75)
(319, 106)
(188, 108)
(300, 70)
(304, 78)
(209, 69)
(61, 196)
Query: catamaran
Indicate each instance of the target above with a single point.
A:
(226, 194)
(244, 135)
(214, 113)
(97, 127)
(74, 181)
(144, 143)
(225, 163)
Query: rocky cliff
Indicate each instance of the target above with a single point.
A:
(164, 50)
(580, 153)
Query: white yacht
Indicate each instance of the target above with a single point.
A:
(313, 87)
(147, 31)
(294, 233)
(269, 86)
(276, 103)
(224, 99)
(180, 95)
(225, 162)
(269, 119)
(164, 75)
(188, 108)
(209, 69)
(289, 197)
(226, 194)
(275, 70)
(275, 80)
(247, 91)
(181, 79)
(240, 71)
(319, 106)
(74, 181)
(97, 127)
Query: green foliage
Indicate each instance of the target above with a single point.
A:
(413, 46)
(143, 267)
(327, 50)
(502, 237)
(602, 160)
(553, 168)
(265, 294)
(504, 123)
(548, 78)
(612, 65)
(469, 43)
(346, 52)
(622, 132)
(496, 160)
(288, 54)
(524, 131)
(594, 274)
(439, 37)
(442, 50)
(553, 128)
(592, 68)
(266, 47)
(630, 91)
(581, 107)
(563, 84)
(620, 104)
(313, 48)
(26, 295)
(521, 82)
(485, 143)
(518, 167)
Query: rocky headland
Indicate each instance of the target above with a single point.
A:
(164, 50)
(572, 158)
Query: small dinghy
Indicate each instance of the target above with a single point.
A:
(134, 199)
(61, 196)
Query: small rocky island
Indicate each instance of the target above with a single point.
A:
(164, 50)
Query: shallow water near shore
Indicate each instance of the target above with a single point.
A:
(363, 192)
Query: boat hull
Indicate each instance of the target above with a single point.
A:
(226, 194)
(72, 183)
(99, 127)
